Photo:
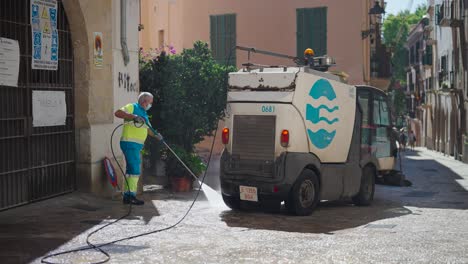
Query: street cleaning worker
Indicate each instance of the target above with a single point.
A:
(132, 141)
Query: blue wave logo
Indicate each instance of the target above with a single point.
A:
(321, 88)
(321, 138)
(312, 114)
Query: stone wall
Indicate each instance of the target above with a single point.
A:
(99, 91)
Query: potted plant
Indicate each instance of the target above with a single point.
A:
(189, 91)
(179, 177)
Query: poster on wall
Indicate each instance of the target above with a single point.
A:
(49, 108)
(98, 60)
(9, 62)
(44, 35)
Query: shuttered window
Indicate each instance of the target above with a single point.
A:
(311, 30)
(428, 55)
(223, 38)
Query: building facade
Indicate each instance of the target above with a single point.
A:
(441, 113)
(96, 73)
(278, 26)
(419, 77)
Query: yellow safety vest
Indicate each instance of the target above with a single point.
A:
(131, 133)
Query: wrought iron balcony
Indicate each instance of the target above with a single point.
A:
(381, 63)
(427, 56)
(448, 14)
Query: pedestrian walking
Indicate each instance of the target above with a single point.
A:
(402, 141)
(412, 139)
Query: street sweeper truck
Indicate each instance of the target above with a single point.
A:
(301, 135)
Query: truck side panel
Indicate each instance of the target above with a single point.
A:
(352, 178)
(328, 109)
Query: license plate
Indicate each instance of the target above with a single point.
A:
(248, 193)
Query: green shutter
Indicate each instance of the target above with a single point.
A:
(311, 30)
(300, 43)
(438, 14)
(428, 55)
(231, 37)
(213, 42)
(223, 37)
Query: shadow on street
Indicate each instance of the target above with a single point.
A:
(31, 231)
(327, 218)
(434, 186)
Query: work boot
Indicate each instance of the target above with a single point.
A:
(127, 199)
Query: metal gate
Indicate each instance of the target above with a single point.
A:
(35, 162)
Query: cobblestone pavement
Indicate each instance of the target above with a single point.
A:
(424, 223)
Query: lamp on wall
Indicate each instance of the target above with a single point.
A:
(375, 15)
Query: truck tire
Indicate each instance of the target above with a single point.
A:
(304, 195)
(231, 202)
(366, 192)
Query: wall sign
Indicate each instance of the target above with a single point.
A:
(98, 53)
(9, 62)
(44, 35)
(127, 82)
(49, 108)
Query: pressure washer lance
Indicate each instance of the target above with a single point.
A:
(138, 123)
(99, 247)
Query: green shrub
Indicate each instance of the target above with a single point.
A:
(176, 169)
(190, 92)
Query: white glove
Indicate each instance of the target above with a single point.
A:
(159, 137)
(139, 121)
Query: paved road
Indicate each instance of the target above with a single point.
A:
(424, 223)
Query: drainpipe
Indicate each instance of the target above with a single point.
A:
(123, 31)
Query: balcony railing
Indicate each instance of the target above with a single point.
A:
(448, 14)
(427, 60)
(381, 63)
(427, 56)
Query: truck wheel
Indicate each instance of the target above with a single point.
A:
(304, 195)
(232, 202)
(367, 189)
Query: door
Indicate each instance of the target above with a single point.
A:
(36, 161)
(365, 99)
(382, 135)
(376, 133)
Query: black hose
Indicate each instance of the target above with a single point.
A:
(91, 245)
(99, 246)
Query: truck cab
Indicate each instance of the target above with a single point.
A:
(297, 135)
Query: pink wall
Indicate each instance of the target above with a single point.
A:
(271, 25)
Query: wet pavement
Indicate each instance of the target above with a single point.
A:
(424, 223)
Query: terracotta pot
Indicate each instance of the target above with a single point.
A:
(181, 184)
